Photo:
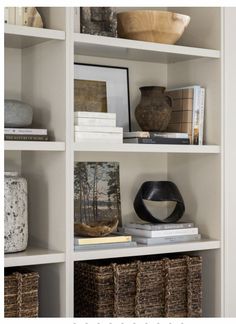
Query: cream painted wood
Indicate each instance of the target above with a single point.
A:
(146, 250)
(229, 119)
(24, 36)
(196, 170)
(33, 256)
(33, 146)
(137, 50)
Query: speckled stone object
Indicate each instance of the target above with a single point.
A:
(16, 213)
(17, 113)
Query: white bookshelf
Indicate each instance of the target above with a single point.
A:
(33, 146)
(39, 69)
(147, 148)
(140, 250)
(24, 36)
(33, 256)
(137, 50)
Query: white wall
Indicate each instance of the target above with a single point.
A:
(230, 159)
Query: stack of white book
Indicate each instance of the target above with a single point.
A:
(97, 127)
(153, 234)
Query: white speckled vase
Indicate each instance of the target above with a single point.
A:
(16, 213)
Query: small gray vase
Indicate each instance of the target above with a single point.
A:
(17, 113)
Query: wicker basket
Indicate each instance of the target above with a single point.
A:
(139, 288)
(21, 293)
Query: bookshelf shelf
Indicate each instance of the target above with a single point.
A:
(32, 256)
(138, 50)
(23, 36)
(33, 146)
(204, 244)
(147, 148)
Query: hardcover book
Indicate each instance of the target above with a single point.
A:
(185, 115)
(18, 137)
(104, 246)
(103, 122)
(25, 131)
(156, 227)
(166, 240)
(113, 238)
(157, 140)
(140, 134)
(161, 233)
(96, 192)
(89, 114)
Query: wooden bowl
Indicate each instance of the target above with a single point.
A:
(151, 25)
(96, 229)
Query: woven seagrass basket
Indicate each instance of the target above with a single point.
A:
(147, 287)
(21, 293)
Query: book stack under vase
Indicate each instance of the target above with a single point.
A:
(112, 241)
(96, 127)
(25, 134)
(154, 234)
(156, 138)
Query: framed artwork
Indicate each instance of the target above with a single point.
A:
(96, 192)
(103, 89)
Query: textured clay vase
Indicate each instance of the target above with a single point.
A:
(17, 113)
(154, 109)
(16, 213)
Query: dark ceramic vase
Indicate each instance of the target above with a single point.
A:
(154, 109)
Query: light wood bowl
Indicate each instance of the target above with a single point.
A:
(96, 229)
(151, 25)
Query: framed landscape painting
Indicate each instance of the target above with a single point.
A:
(96, 192)
(103, 89)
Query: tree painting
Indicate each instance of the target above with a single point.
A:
(96, 191)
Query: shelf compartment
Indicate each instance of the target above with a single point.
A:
(147, 148)
(204, 244)
(33, 146)
(32, 256)
(102, 46)
(24, 36)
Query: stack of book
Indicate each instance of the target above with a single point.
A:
(112, 241)
(97, 127)
(154, 234)
(25, 134)
(156, 138)
(188, 112)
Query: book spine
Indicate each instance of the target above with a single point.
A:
(26, 137)
(79, 121)
(170, 135)
(6, 15)
(104, 246)
(25, 16)
(99, 129)
(195, 118)
(102, 240)
(11, 15)
(161, 226)
(158, 140)
(24, 131)
(89, 114)
(98, 136)
(167, 240)
(201, 116)
(161, 233)
(19, 16)
(77, 19)
(154, 135)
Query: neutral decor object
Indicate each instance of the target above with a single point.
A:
(31, 17)
(107, 91)
(96, 198)
(159, 191)
(141, 287)
(15, 213)
(17, 113)
(98, 21)
(21, 288)
(152, 25)
(153, 112)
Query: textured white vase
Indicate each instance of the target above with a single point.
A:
(16, 213)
